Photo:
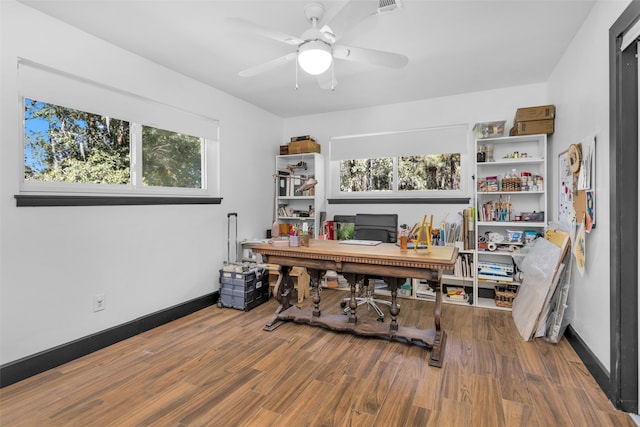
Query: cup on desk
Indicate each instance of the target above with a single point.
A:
(304, 240)
(403, 242)
(294, 240)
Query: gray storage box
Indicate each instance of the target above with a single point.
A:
(243, 290)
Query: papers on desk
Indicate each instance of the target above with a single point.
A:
(360, 242)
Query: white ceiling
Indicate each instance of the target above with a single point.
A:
(453, 46)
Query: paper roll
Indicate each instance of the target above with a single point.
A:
(492, 246)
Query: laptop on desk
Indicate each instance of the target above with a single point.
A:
(361, 242)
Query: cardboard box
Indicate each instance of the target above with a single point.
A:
(305, 146)
(542, 112)
(532, 127)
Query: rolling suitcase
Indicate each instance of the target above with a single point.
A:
(241, 287)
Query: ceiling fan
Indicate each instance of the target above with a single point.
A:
(316, 47)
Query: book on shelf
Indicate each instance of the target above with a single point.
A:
(302, 138)
(456, 293)
(495, 278)
(424, 291)
(464, 265)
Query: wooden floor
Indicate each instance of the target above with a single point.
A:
(218, 367)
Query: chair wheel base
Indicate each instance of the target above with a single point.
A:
(343, 304)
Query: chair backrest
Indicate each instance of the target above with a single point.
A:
(383, 227)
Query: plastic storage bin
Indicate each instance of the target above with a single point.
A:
(243, 290)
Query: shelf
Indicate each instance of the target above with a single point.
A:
(485, 193)
(519, 161)
(496, 282)
(496, 252)
(296, 197)
(502, 149)
(490, 303)
(297, 218)
(511, 224)
(449, 278)
(304, 165)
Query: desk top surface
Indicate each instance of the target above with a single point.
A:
(389, 252)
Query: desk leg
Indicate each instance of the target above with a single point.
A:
(352, 278)
(437, 352)
(282, 293)
(395, 309)
(317, 274)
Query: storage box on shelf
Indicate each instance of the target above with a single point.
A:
(534, 120)
(511, 200)
(295, 205)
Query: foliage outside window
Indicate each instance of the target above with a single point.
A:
(64, 145)
(366, 175)
(426, 173)
(435, 172)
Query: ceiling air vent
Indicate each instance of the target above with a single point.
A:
(388, 5)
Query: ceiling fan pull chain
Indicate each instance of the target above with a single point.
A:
(296, 65)
(333, 75)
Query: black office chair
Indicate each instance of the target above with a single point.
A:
(382, 227)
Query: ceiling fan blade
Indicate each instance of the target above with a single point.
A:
(267, 66)
(325, 80)
(265, 32)
(370, 56)
(347, 17)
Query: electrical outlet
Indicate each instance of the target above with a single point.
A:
(98, 302)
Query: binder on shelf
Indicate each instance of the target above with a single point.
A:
(283, 183)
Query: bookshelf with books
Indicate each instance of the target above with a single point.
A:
(511, 203)
(300, 190)
(458, 284)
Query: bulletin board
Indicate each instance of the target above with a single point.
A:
(576, 178)
(566, 212)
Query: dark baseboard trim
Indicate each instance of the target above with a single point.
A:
(592, 363)
(402, 201)
(32, 200)
(26, 367)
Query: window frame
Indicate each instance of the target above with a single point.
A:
(467, 167)
(209, 151)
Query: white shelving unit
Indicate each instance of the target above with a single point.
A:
(303, 208)
(523, 154)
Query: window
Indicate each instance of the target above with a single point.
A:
(64, 145)
(84, 137)
(439, 172)
(366, 175)
(429, 163)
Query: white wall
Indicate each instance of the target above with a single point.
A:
(468, 108)
(579, 87)
(143, 258)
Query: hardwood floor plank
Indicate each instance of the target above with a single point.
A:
(517, 414)
(451, 413)
(547, 402)
(304, 405)
(511, 377)
(218, 367)
(397, 403)
(374, 389)
(487, 402)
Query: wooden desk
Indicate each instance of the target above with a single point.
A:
(354, 261)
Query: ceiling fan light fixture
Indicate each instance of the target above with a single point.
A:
(315, 56)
